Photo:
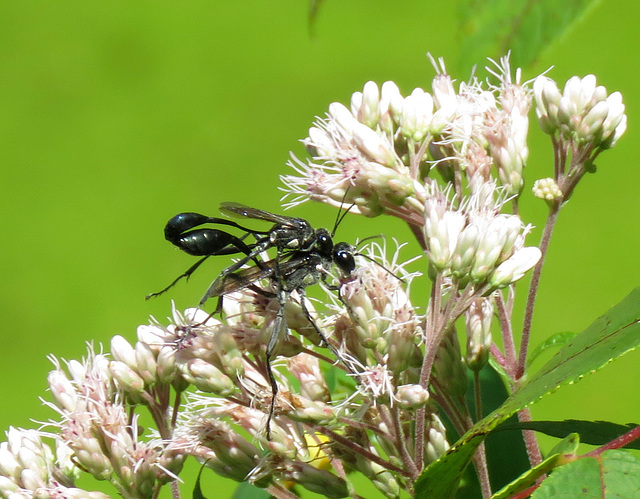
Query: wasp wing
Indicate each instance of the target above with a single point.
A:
(237, 209)
(241, 279)
(245, 277)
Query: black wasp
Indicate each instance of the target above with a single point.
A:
(304, 256)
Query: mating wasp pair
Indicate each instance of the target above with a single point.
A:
(304, 256)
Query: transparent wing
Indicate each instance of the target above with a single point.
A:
(237, 209)
(245, 277)
(236, 281)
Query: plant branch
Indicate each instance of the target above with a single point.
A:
(533, 288)
(507, 336)
(530, 441)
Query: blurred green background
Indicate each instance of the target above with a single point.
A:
(116, 115)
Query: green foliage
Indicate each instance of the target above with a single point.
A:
(554, 341)
(567, 446)
(524, 27)
(610, 336)
(506, 455)
(197, 490)
(591, 432)
(247, 491)
(614, 474)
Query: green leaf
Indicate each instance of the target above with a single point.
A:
(524, 27)
(591, 432)
(506, 380)
(610, 336)
(197, 490)
(245, 490)
(506, 456)
(555, 340)
(613, 474)
(567, 446)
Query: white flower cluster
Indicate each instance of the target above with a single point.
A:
(29, 468)
(378, 153)
(450, 163)
(582, 111)
(583, 121)
(474, 243)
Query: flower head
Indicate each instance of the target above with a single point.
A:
(583, 113)
(471, 240)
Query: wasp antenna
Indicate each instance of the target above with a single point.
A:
(381, 266)
(341, 214)
(381, 236)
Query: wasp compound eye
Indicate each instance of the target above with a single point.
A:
(324, 242)
(343, 257)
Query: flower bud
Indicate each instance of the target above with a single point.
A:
(122, 351)
(310, 411)
(448, 368)
(166, 364)
(515, 267)
(77, 371)
(35, 462)
(236, 452)
(30, 479)
(298, 321)
(547, 189)
(9, 466)
(365, 105)
(411, 396)
(7, 487)
(361, 311)
(90, 457)
(229, 353)
(383, 185)
(403, 333)
(153, 335)
(343, 117)
(374, 145)
(446, 102)
(436, 444)
(547, 98)
(319, 144)
(126, 377)
(384, 481)
(615, 124)
(478, 319)
(208, 378)
(146, 365)
(465, 250)
(488, 250)
(417, 113)
(316, 480)
(582, 113)
(442, 229)
(312, 384)
(172, 461)
(62, 390)
(64, 460)
(390, 106)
